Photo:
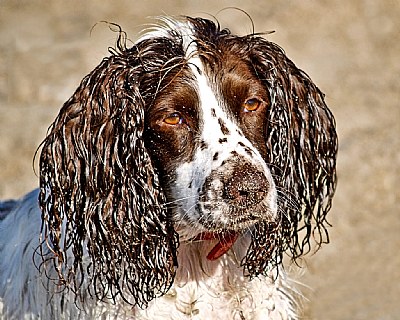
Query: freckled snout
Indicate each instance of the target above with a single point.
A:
(235, 189)
(245, 186)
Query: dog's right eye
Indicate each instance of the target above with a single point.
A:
(174, 119)
(251, 105)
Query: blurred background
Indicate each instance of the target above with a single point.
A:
(351, 49)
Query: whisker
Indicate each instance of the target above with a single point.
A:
(180, 200)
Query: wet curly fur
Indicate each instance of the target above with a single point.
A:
(103, 195)
(104, 186)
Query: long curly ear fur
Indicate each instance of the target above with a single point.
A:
(302, 146)
(104, 218)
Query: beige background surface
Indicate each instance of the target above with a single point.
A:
(351, 49)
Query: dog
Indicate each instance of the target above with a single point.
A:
(172, 183)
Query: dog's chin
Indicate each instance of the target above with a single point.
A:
(188, 231)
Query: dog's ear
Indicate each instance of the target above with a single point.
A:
(104, 214)
(301, 151)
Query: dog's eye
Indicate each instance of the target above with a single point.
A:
(251, 105)
(174, 119)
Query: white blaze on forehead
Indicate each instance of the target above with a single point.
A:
(214, 116)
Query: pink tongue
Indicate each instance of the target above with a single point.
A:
(225, 242)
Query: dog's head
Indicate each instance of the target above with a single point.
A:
(191, 131)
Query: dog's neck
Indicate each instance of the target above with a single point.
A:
(217, 289)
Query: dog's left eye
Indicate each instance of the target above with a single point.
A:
(251, 105)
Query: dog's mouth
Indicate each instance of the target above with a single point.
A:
(226, 240)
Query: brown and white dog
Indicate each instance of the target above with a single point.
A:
(171, 184)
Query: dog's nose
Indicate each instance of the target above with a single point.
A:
(246, 186)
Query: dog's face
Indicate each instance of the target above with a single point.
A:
(206, 130)
(189, 133)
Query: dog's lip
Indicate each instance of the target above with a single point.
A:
(226, 240)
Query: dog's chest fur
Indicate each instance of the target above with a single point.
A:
(206, 290)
